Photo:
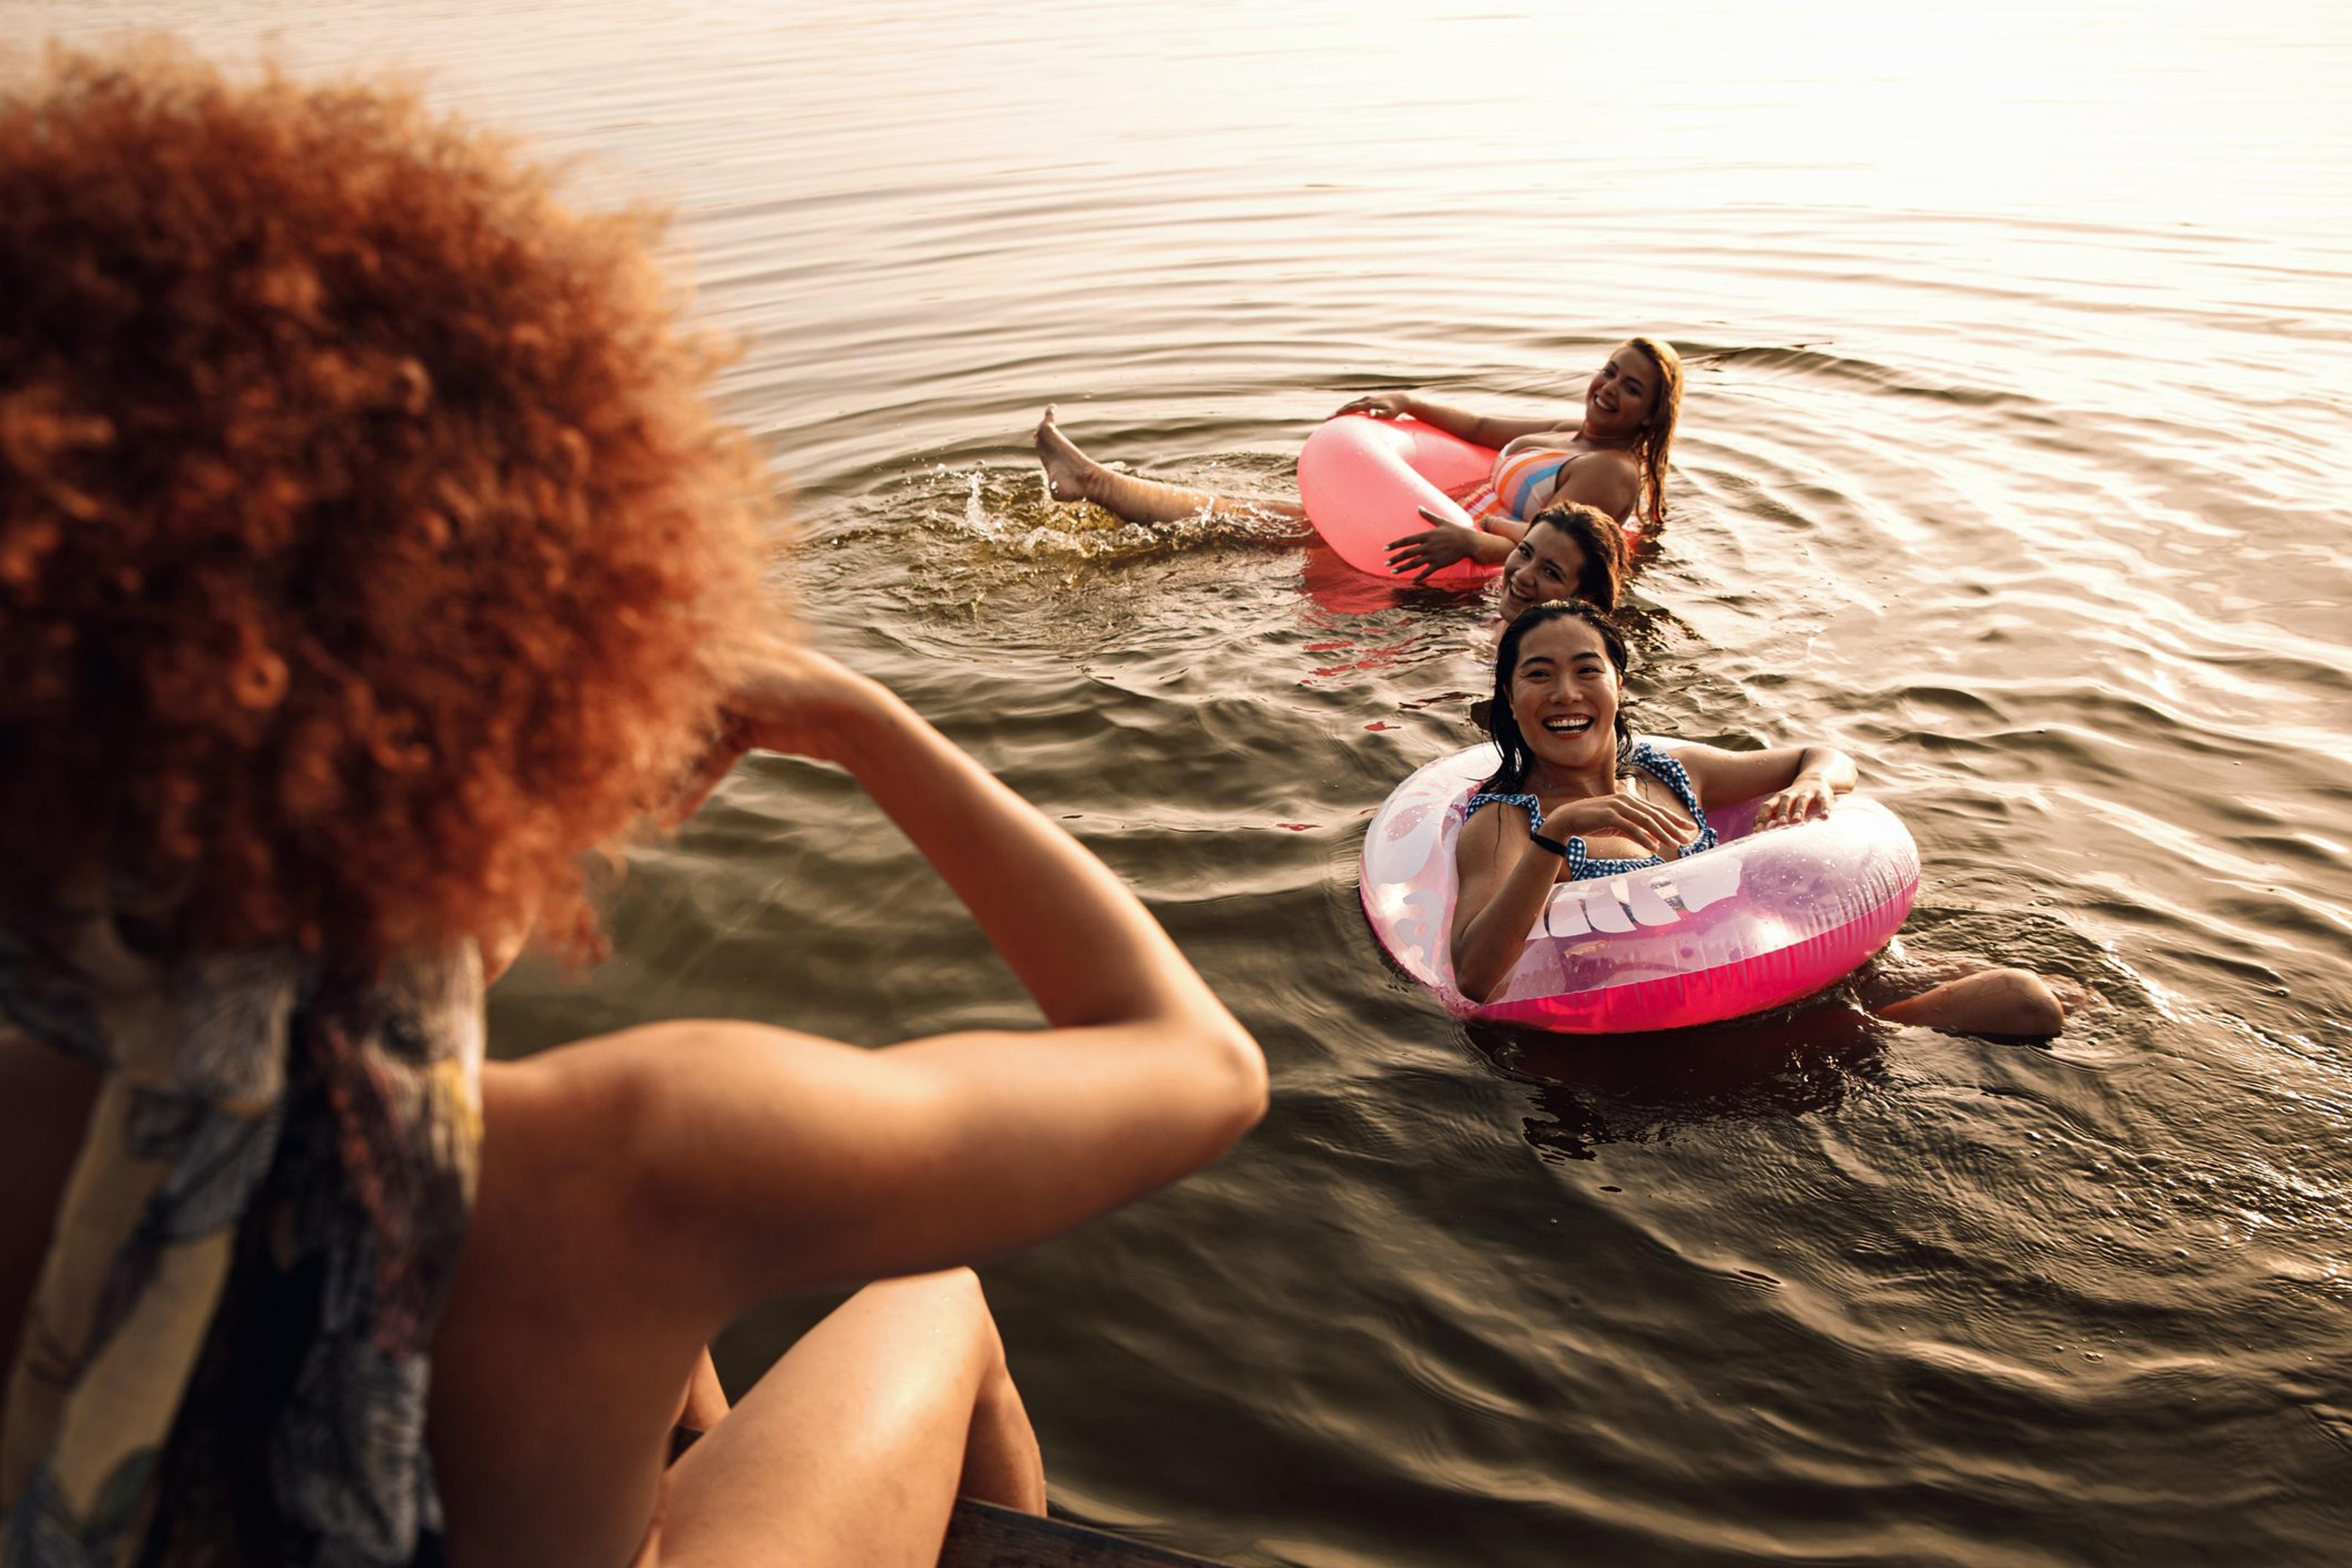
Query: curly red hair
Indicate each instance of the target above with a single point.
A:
(368, 545)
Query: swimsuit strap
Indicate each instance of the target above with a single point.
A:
(1526, 802)
(1661, 765)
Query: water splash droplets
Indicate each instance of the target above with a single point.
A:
(1010, 511)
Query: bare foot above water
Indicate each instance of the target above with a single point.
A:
(1068, 469)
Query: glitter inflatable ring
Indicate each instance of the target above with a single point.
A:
(1757, 921)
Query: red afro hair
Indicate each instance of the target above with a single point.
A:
(368, 545)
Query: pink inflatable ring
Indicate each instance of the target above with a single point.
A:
(1759, 921)
(1363, 481)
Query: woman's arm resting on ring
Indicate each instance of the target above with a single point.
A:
(1503, 526)
(1442, 543)
(1505, 878)
(1489, 429)
(1722, 776)
(1478, 430)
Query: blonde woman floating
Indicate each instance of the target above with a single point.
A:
(1612, 455)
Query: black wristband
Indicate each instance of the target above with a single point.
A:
(1554, 845)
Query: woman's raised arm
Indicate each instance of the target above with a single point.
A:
(753, 1160)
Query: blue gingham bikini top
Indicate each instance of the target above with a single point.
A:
(1582, 867)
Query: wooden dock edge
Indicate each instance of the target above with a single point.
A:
(982, 1535)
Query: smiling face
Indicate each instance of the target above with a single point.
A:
(1546, 564)
(1617, 399)
(1564, 693)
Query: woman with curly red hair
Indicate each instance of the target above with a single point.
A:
(368, 552)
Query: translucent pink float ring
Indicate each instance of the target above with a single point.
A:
(1757, 921)
(1363, 481)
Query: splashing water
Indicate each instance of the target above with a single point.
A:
(1012, 512)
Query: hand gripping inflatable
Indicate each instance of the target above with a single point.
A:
(1363, 481)
(1755, 923)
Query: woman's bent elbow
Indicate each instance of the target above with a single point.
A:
(1245, 1082)
(1220, 1092)
(1473, 982)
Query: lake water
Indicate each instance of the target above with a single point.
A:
(2013, 462)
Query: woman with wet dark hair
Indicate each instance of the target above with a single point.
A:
(1568, 552)
(1578, 796)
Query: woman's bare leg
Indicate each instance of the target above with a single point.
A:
(1071, 475)
(854, 1447)
(1001, 1461)
(562, 1362)
(703, 1404)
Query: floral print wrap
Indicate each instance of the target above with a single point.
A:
(224, 1358)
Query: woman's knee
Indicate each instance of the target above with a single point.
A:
(2031, 1005)
(2008, 1002)
(950, 1303)
(954, 1290)
(1990, 1000)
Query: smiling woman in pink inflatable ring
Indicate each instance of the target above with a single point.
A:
(1610, 455)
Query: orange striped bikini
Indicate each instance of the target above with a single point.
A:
(1516, 481)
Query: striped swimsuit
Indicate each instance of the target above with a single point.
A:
(1510, 491)
(1582, 867)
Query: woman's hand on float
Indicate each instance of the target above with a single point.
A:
(1440, 545)
(1809, 796)
(1378, 405)
(1618, 816)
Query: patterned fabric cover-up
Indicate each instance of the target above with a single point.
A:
(224, 1356)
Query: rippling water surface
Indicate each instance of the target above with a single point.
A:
(2013, 462)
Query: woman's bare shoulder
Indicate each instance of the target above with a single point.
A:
(1611, 460)
(1483, 836)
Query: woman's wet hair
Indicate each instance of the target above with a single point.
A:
(1502, 725)
(1603, 543)
(1656, 440)
(369, 545)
